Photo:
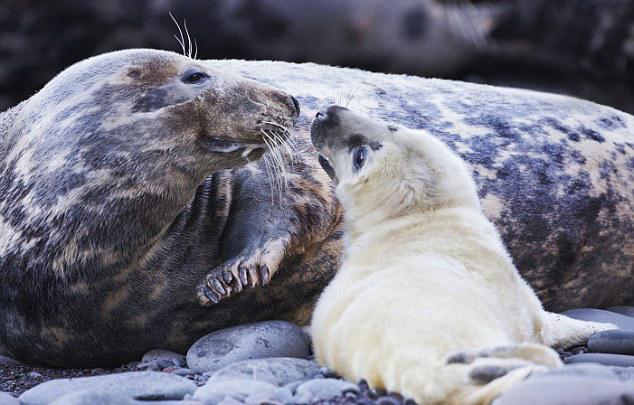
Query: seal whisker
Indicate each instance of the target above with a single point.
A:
(277, 158)
(181, 41)
(189, 41)
(273, 174)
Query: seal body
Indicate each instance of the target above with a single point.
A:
(427, 301)
(115, 201)
(554, 174)
(565, 211)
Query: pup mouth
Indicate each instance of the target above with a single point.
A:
(325, 164)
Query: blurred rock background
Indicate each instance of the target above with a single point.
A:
(578, 47)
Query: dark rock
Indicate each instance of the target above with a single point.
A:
(612, 341)
(600, 315)
(278, 371)
(131, 385)
(608, 359)
(568, 390)
(249, 341)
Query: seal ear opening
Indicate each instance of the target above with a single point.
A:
(325, 164)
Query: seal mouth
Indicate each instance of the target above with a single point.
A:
(325, 164)
(225, 146)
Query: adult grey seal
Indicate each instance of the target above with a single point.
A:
(110, 217)
(565, 209)
(555, 174)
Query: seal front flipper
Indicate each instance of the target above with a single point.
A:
(266, 227)
(251, 268)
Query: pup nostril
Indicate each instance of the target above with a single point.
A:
(320, 115)
(296, 104)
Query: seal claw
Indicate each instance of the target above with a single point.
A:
(243, 275)
(218, 287)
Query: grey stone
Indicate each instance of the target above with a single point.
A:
(282, 395)
(623, 310)
(593, 370)
(568, 390)
(139, 385)
(277, 370)
(164, 358)
(322, 389)
(8, 399)
(600, 315)
(612, 341)
(249, 341)
(214, 392)
(104, 398)
(608, 359)
(94, 398)
(230, 401)
(183, 371)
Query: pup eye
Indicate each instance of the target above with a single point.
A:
(359, 157)
(194, 77)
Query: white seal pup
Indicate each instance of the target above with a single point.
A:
(428, 302)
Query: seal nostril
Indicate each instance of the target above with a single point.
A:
(320, 115)
(296, 104)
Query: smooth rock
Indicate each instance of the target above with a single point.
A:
(612, 341)
(214, 392)
(8, 399)
(608, 359)
(230, 401)
(282, 395)
(600, 315)
(592, 370)
(568, 390)
(249, 341)
(277, 370)
(182, 371)
(623, 310)
(322, 389)
(138, 384)
(94, 398)
(165, 358)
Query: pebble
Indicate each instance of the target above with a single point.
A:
(322, 389)
(623, 310)
(277, 370)
(612, 341)
(215, 391)
(600, 315)
(8, 399)
(164, 357)
(568, 390)
(182, 371)
(249, 341)
(608, 359)
(131, 385)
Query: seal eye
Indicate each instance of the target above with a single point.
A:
(194, 77)
(359, 157)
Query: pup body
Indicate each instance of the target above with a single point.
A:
(428, 302)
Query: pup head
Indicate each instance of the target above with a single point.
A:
(384, 171)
